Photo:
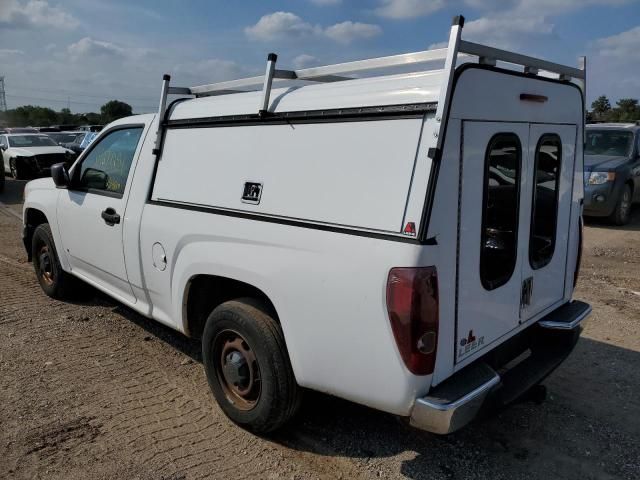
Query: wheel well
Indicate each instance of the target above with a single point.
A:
(206, 292)
(33, 218)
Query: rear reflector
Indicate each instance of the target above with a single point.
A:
(412, 303)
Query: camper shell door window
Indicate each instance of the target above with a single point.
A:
(500, 212)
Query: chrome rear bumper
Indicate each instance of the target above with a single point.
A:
(439, 415)
(458, 400)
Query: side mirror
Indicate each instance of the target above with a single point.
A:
(3, 147)
(60, 175)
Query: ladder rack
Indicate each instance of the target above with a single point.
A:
(455, 49)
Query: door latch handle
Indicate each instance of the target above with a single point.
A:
(110, 217)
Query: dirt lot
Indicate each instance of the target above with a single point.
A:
(93, 390)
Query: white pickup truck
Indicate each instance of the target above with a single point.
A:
(409, 241)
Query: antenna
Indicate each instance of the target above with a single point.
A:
(3, 97)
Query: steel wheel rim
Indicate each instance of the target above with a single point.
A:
(45, 265)
(237, 369)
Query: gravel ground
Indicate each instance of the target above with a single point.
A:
(93, 390)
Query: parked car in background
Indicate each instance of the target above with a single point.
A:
(75, 143)
(1, 180)
(88, 138)
(21, 130)
(47, 129)
(611, 171)
(67, 128)
(27, 155)
(80, 142)
(62, 138)
(91, 128)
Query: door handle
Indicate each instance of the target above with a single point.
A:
(110, 217)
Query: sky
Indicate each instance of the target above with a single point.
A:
(82, 53)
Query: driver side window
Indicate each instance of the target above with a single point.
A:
(106, 167)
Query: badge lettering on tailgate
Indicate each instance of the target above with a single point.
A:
(469, 343)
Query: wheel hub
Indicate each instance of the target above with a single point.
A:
(46, 265)
(237, 369)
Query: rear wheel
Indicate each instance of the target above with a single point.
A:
(248, 366)
(1, 177)
(622, 213)
(55, 282)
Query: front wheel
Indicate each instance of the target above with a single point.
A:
(622, 213)
(1, 177)
(248, 366)
(55, 282)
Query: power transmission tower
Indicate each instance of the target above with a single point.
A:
(3, 98)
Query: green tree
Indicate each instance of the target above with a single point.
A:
(114, 110)
(627, 110)
(601, 107)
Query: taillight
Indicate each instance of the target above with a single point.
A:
(579, 257)
(412, 303)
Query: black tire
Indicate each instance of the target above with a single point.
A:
(1, 175)
(622, 213)
(265, 395)
(18, 170)
(55, 282)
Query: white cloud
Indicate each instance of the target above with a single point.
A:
(347, 32)
(304, 61)
(287, 25)
(612, 64)
(280, 25)
(34, 13)
(402, 9)
(7, 52)
(88, 47)
(438, 45)
(625, 45)
(326, 3)
(507, 30)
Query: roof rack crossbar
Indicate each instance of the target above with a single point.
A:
(328, 73)
(484, 51)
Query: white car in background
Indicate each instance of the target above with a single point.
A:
(26, 155)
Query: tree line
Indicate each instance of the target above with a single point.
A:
(34, 116)
(626, 110)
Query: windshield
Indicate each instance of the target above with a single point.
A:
(608, 142)
(31, 141)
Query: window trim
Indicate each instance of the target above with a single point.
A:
(490, 286)
(539, 265)
(78, 164)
